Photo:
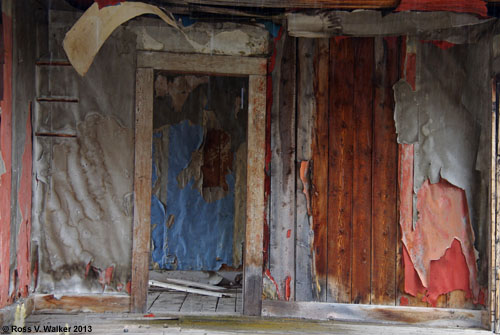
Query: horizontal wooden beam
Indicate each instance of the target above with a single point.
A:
(438, 25)
(422, 316)
(362, 4)
(195, 63)
(94, 303)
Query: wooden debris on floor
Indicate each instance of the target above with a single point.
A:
(187, 286)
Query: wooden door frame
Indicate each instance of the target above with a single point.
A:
(256, 70)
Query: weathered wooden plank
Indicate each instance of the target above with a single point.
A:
(142, 189)
(195, 63)
(385, 160)
(340, 169)
(282, 218)
(362, 193)
(168, 302)
(199, 304)
(95, 303)
(226, 305)
(253, 261)
(302, 3)
(423, 316)
(496, 255)
(492, 202)
(305, 121)
(319, 201)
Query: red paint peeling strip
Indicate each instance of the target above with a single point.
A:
(477, 7)
(24, 197)
(106, 3)
(128, 287)
(268, 275)
(442, 242)
(108, 276)
(445, 45)
(448, 274)
(287, 288)
(6, 152)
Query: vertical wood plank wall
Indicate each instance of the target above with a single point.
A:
(334, 233)
(353, 170)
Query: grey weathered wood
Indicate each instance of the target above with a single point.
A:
(282, 206)
(433, 317)
(429, 25)
(199, 304)
(305, 120)
(195, 63)
(226, 305)
(253, 261)
(142, 189)
(168, 302)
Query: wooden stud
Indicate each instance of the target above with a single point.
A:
(340, 170)
(283, 208)
(362, 181)
(253, 261)
(384, 216)
(305, 118)
(319, 201)
(142, 189)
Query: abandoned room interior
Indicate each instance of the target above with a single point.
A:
(255, 163)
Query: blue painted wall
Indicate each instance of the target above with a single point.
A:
(201, 237)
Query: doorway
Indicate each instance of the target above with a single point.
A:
(198, 191)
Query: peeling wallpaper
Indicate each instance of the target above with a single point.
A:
(88, 206)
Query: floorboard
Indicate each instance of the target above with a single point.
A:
(111, 323)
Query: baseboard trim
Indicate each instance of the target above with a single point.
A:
(422, 316)
(92, 303)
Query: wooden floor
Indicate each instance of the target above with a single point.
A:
(174, 302)
(220, 324)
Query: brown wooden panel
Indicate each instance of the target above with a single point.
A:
(319, 201)
(142, 189)
(385, 160)
(340, 170)
(362, 181)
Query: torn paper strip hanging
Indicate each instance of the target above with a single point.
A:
(89, 33)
